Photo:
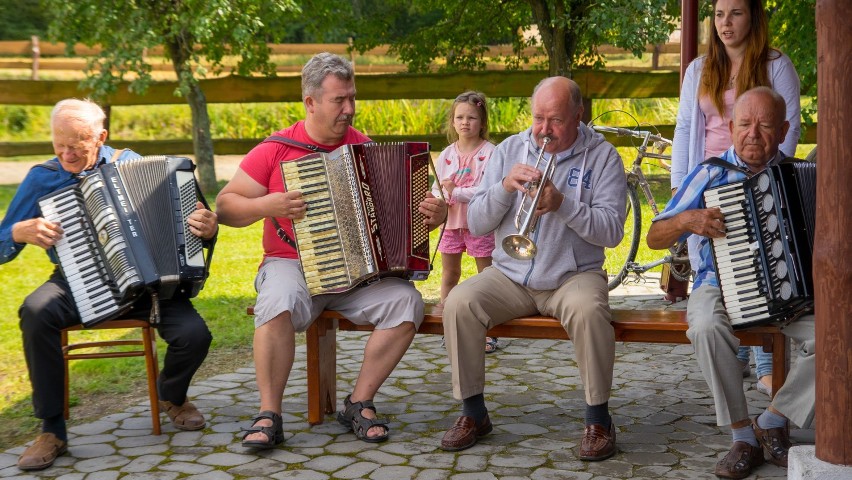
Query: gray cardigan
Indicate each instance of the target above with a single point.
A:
(571, 239)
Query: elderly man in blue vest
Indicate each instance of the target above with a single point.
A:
(758, 127)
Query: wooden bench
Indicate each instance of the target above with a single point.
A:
(643, 326)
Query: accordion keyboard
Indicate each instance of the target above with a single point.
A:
(738, 267)
(95, 295)
(323, 260)
(764, 263)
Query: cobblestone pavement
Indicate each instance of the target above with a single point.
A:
(660, 404)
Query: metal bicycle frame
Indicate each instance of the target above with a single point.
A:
(637, 181)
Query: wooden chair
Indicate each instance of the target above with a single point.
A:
(147, 342)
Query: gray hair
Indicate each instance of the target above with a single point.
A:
(320, 66)
(573, 90)
(778, 102)
(84, 111)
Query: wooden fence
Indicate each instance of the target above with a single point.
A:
(39, 55)
(594, 84)
(232, 89)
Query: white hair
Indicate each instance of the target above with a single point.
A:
(84, 111)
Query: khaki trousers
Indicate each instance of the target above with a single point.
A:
(490, 298)
(716, 350)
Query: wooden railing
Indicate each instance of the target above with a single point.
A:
(40, 55)
(232, 89)
(594, 84)
(25, 48)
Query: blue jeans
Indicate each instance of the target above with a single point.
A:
(762, 360)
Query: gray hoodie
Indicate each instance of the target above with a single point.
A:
(590, 175)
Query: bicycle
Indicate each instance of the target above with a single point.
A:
(621, 259)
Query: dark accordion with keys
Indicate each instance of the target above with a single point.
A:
(126, 234)
(764, 263)
(362, 221)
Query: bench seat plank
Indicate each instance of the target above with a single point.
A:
(640, 326)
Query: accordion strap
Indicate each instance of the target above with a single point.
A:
(117, 154)
(718, 162)
(294, 143)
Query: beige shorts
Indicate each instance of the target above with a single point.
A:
(281, 287)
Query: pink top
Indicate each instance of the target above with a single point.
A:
(466, 172)
(717, 133)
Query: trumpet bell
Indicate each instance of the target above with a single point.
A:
(519, 247)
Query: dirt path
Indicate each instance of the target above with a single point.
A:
(14, 172)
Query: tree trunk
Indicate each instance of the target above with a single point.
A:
(179, 50)
(559, 40)
(560, 51)
(201, 141)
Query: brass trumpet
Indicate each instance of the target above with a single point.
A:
(519, 245)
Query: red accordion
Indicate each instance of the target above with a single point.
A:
(362, 221)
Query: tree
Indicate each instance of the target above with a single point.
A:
(792, 26)
(458, 33)
(191, 32)
(19, 19)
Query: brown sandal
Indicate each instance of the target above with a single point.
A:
(184, 417)
(42, 453)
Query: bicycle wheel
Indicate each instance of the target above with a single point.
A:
(618, 258)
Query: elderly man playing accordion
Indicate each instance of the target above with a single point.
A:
(758, 127)
(580, 211)
(77, 127)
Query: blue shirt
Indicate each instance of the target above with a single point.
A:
(690, 196)
(42, 180)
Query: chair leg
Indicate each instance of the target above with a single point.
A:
(149, 337)
(66, 411)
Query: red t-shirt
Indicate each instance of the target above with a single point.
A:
(262, 164)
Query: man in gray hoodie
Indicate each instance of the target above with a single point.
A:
(580, 212)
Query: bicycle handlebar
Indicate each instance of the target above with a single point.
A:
(626, 132)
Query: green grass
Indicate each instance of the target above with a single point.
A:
(257, 120)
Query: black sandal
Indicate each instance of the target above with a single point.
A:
(352, 419)
(274, 434)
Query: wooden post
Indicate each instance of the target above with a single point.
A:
(832, 247)
(655, 57)
(688, 34)
(36, 56)
(108, 112)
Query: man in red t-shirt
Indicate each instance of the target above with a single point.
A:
(284, 305)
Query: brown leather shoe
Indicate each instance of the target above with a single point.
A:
(739, 461)
(42, 452)
(775, 441)
(184, 417)
(464, 433)
(598, 443)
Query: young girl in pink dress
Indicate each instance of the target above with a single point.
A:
(459, 168)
